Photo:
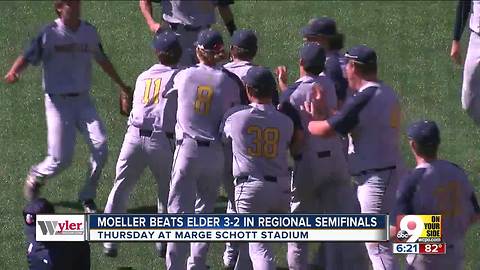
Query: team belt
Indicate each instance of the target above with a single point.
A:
(321, 154)
(148, 133)
(189, 28)
(267, 178)
(65, 95)
(369, 171)
(199, 142)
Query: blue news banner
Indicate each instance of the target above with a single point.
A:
(237, 227)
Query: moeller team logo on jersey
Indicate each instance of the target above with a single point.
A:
(60, 228)
(418, 229)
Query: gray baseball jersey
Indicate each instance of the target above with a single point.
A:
(57, 47)
(239, 68)
(193, 13)
(439, 187)
(150, 110)
(302, 93)
(475, 17)
(204, 95)
(372, 116)
(260, 138)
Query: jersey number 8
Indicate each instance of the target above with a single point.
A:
(266, 142)
(203, 99)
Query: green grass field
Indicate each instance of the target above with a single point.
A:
(412, 40)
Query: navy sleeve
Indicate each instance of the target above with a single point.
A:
(333, 70)
(243, 92)
(285, 96)
(33, 54)
(406, 191)
(223, 2)
(169, 84)
(288, 109)
(348, 117)
(463, 11)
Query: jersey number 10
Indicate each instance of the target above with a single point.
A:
(266, 142)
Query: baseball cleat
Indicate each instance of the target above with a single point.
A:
(110, 252)
(31, 188)
(89, 206)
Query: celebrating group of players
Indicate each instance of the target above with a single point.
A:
(196, 121)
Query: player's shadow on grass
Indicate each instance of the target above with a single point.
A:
(220, 206)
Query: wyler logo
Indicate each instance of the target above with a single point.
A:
(60, 228)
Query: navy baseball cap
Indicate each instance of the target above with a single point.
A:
(323, 26)
(245, 39)
(260, 78)
(312, 54)
(424, 132)
(362, 54)
(165, 41)
(210, 40)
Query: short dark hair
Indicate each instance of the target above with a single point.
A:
(259, 92)
(171, 57)
(429, 151)
(365, 69)
(242, 53)
(314, 70)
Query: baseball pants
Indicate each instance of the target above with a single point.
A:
(64, 115)
(187, 38)
(260, 197)
(230, 254)
(321, 184)
(376, 194)
(471, 79)
(196, 176)
(154, 150)
(453, 259)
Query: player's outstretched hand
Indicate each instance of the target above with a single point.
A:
(11, 77)
(455, 52)
(282, 76)
(316, 107)
(154, 27)
(126, 100)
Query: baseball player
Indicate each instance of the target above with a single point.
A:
(260, 137)
(205, 93)
(437, 186)
(66, 48)
(372, 117)
(321, 182)
(150, 136)
(187, 18)
(51, 255)
(471, 71)
(324, 32)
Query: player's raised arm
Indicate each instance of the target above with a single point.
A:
(147, 12)
(227, 15)
(463, 11)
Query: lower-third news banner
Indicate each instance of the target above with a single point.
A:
(213, 227)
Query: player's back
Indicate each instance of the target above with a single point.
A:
(441, 187)
(150, 109)
(239, 68)
(260, 139)
(204, 95)
(302, 93)
(376, 136)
